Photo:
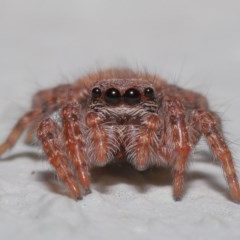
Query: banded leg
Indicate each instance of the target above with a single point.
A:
(74, 143)
(178, 142)
(50, 136)
(19, 128)
(208, 123)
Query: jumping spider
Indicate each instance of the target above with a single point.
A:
(120, 114)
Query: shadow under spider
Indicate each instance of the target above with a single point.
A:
(102, 178)
(113, 174)
(212, 182)
(49, 178)
(27, 154)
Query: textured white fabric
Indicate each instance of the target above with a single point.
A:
(43, 43)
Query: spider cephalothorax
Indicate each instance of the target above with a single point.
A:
(120, 114)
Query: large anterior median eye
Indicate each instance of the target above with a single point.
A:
(112, 96)
(132, 96)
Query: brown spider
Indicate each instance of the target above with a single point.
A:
(120, 114)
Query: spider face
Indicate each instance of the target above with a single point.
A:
(125, 104)
(119, 94)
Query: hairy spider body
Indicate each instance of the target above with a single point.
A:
(120, 114)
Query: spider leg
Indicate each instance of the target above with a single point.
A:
(50, 136)
(145, 139)
(177, 141)
(74, 143)
(99, 137)
(51, 99)
(19, 128)
(209, 124)
(43, 101)
(47, 101)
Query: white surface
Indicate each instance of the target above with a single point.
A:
(43, 43)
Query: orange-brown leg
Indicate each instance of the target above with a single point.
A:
(44, 101)
(178, 142)
(19, 128)
(74, 142)
(146, 137)
(208, 123)
(50, 136)
(48, 101)
(99, 137)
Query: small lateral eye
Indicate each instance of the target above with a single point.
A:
(132, 96)
(149, 93)
(112, 96)
(96, 92)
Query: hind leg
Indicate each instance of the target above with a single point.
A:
(19, 128)
(44, 102)
(208, 123)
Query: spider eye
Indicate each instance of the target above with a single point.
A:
(132, 96)
(96, 92)
(112, 96)
(149, 93)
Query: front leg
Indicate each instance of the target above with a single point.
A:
(175, 141)
(74, 142)
(98, 144)
(146, 142)
(50, 136)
